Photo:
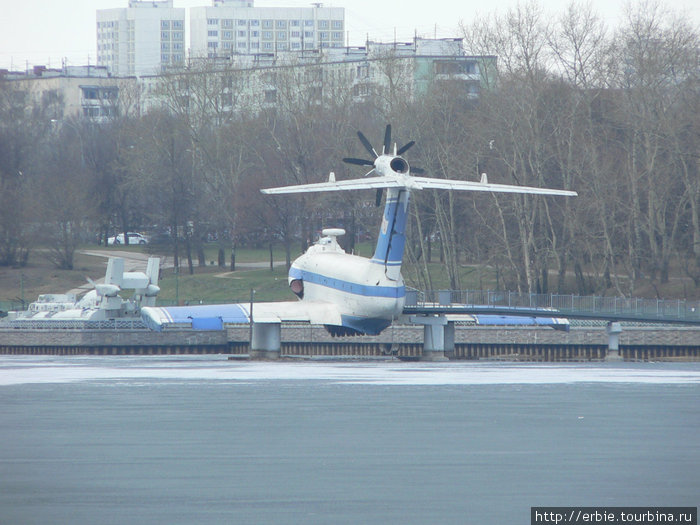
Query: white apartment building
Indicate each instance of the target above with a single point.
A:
(230, 27)
(141, 39)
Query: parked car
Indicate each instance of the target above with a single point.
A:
(134, 238)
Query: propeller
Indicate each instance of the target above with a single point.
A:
(387, 139)
(359, 162)
(366, 143)
(405, 148)
(386, 150)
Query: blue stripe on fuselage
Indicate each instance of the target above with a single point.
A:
(350, 287)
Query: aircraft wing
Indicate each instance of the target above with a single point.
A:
(352, 184)
(463, 185)
(414, 183)
(214, 316)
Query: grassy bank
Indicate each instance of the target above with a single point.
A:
(212, 284)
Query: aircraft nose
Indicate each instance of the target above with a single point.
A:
(297, 286)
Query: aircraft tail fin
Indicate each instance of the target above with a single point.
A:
(115, 271)
(392, 233)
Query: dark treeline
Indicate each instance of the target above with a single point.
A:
(610, 114)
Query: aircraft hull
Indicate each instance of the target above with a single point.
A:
(367, 298)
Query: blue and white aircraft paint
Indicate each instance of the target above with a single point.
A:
(346, 293)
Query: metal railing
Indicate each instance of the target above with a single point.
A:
(575, 306)
(110, 324)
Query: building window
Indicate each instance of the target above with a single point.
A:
(226, 23)
(454, 67)
(213, 33)
(227, 35)
(281, 35)
(281, 24)
(296, 34)
(271, 96)
(212, 45)
(177, 35)
(267, 35)
(242, 23)
(255, 23)
(90, 94)
(177, 24)
(164, 35)
(308, 23)
(308, 34)
(165, 24)
(267, 24)
(243, 34)
(337, 24)
(294, 23)
(337, 36)
(360, 90)
(323, 24)
(323, 35)
(255, 34)
(267, 46)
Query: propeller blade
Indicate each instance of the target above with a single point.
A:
(406, 147)
(378, 198)
(387, 139)
(417, 170)
(359, 162)
(367, 144)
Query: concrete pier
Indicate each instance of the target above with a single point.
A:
(266, 341)
(459, 341)
(433, 336)
(613, 330)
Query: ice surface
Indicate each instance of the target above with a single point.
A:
(15, 370)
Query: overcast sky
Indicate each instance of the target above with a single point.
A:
(43, 32)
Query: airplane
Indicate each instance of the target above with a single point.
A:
(101, 303)
(346, 293)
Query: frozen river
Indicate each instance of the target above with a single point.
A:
(199, 439)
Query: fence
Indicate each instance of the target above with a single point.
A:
(568, 305)
(54, 324)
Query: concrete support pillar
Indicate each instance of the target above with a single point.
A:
(433, 336)
(613, 330)
(266, 340)
(450, 340)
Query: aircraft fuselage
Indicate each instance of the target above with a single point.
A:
(368, 298)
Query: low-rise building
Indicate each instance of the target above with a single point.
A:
(75, 91)
(253, 82)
